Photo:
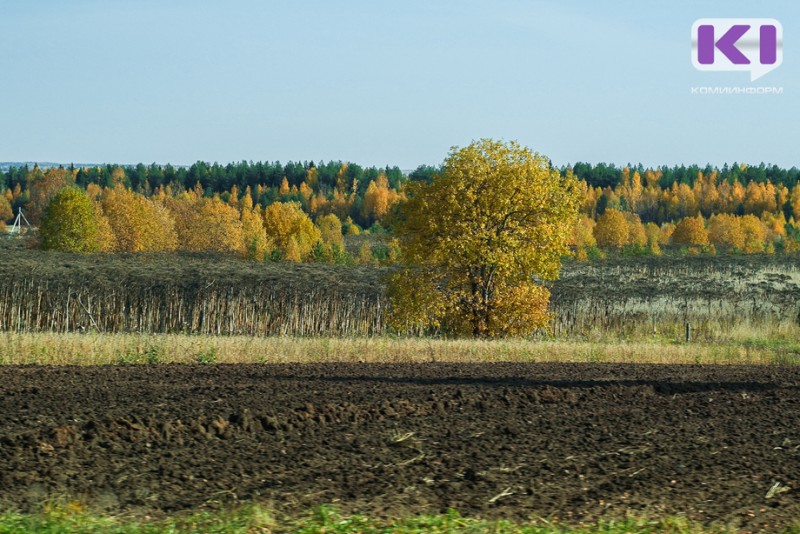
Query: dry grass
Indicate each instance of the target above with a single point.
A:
(104, 349)
(715, 294)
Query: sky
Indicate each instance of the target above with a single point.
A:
(395, 82)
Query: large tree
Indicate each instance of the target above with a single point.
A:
(475, 240)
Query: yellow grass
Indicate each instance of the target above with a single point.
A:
(103, 349)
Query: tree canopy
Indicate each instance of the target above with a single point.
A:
(70, 223)
(475, 239)
(211, 207)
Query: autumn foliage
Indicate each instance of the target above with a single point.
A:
(290, 230)
(207, 225)
(475, 239)
(255, 245)
(42, 187)
(691, 231)
(611, 229)
(70, 223)
(223, 209)
(725, 232)
(139, 224)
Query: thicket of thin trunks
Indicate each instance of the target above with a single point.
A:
(215, 294)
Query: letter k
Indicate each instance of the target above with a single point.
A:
(726, 44)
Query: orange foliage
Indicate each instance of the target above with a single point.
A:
(725, 231)
(378, 199)
(691, 231)
(42, 188)
(636, 231)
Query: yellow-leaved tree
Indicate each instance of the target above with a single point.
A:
(583, 236)
(290, 230)
(794, 201)
(725, 232)
(6, 212)
(476, 239)
(207, 225)
(755, 235)
(106, 240)
(138, 223)
(637, 234)
(378, 200)
(330, 228)
(612, 229)
(653, 234)
(70, 223)
(256, 246)
(691, 231)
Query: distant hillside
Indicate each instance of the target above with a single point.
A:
(6, 165)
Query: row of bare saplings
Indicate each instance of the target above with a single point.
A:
(30, 304)
(708, 316)
(208, 307)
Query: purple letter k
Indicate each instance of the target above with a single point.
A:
(726, 44)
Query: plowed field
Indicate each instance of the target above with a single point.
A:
(570, 442)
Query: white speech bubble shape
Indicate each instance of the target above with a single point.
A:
(749, 44)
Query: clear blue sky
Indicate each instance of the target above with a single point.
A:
(381, 82)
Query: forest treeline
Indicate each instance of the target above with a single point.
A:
(216, 178)
(301, 211)
(265, 179)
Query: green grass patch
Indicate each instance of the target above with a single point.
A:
(73, 518)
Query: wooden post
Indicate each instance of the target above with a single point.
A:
(688, 332)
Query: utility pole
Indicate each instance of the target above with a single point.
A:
(18, 222)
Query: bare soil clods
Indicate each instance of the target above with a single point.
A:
(570, 442)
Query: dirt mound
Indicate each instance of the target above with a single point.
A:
(566, 441)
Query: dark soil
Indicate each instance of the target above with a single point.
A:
(570, 442)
